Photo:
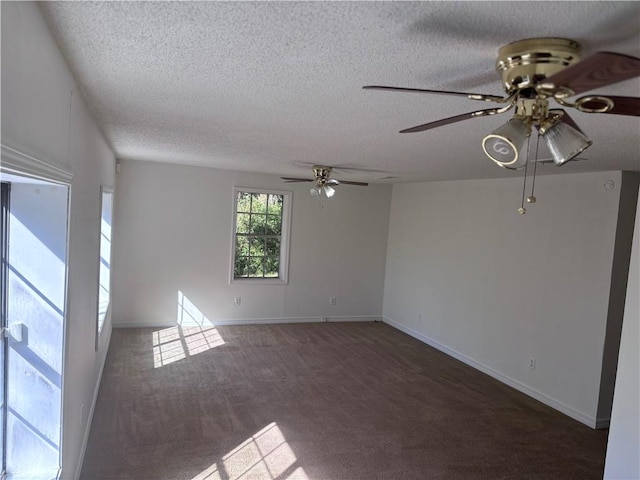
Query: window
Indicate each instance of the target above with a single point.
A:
(104, 276)
(260, 235)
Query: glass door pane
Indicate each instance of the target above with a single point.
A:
(36, 292)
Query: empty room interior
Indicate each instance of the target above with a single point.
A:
(320, 240)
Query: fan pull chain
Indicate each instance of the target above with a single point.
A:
(523, 210)
(532, 198)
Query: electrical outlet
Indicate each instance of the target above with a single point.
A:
(532, 363)
(332, 300)
(237, 301)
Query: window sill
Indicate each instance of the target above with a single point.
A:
(259, 281)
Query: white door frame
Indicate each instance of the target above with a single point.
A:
(15, 162)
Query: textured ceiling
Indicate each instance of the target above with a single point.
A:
(275, 87)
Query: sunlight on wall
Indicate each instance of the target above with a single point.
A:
(194, 334)
(265, 455)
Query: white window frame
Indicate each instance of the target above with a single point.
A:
(283, 273)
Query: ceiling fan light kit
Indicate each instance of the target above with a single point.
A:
(320, 189)
(504, 144)
(533, 72)
(565, 142)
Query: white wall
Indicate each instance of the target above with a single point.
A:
(495, 288)
(44, 116)
(623, 460)
(172, 233)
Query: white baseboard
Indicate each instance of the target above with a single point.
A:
(283, 320)
(87, 430)
(356, 318)
(260, 321)
(266, 321)
(144, 325)
(541, 397)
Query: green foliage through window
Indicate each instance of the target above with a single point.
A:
(258, 235)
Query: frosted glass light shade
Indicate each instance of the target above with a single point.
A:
(329, 191)
(315, 191)
(565, 142)
(504, 144)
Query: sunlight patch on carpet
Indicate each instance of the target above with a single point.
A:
(194, 334)
(266, 455)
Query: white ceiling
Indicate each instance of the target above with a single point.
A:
(275, 87)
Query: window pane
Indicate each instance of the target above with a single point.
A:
(274, 225)
(275, 204)
(255, 267)
(242, 246)
(272, 247)
(258, 224)
(242, 223)
(259, 203)
(271, 266)
(240, 267)
(244, 202)
(104, 286)
(256, 246)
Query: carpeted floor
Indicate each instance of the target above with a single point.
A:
(343, 401)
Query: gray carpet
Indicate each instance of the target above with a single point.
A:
(344, 401)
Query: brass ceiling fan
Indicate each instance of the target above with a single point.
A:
(535, 71)
(323, 184)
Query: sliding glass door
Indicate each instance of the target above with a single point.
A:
(34, 256)
(4, 264)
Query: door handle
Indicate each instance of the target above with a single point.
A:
(14, 331)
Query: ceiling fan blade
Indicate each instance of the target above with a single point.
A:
(362, 184)
(599, 70)
(471, 96)
(447, 121)
(289, 179)
(621, 105)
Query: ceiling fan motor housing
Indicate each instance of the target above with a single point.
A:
(525, 63)
(321, 172)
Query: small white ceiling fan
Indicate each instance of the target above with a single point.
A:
(323, 184)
